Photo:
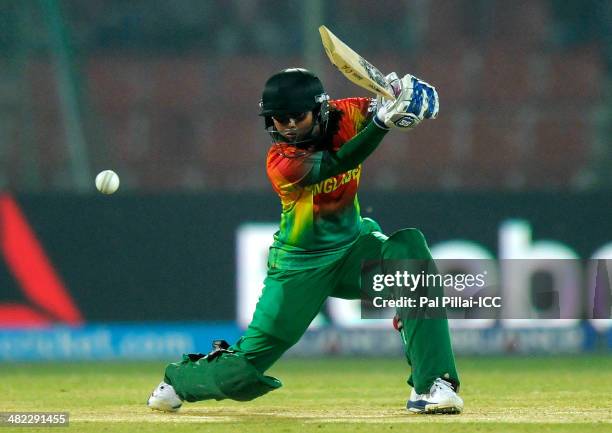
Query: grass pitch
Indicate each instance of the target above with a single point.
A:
(512, 394)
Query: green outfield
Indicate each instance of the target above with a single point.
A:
(511, 394)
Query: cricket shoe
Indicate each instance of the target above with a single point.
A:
(441, 398)
(164, 398)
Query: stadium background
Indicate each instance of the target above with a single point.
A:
(166, 93)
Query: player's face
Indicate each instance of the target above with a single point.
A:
(294, 126)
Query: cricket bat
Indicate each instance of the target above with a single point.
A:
(353, 66)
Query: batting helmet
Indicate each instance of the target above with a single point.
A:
(293, 90)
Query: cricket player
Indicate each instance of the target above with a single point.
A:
(314, 165)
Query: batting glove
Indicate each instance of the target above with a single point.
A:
(416, 101)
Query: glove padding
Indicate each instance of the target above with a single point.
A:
(395, 83)
(416, 101)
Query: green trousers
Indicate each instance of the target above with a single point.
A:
(291, 299)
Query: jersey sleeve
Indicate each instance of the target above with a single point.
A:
(351, 154)
(358, 112)
(287, 173)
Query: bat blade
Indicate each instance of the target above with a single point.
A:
(353, 66)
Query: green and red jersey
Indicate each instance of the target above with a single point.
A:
(318, 191)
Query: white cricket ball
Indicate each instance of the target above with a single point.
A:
(107, 182)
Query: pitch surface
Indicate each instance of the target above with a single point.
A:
(512, 394)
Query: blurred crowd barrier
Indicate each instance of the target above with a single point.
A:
(152, 275)
(168, 91)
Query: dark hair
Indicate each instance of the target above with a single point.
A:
(333, 126)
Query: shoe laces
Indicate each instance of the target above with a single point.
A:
(442, 385)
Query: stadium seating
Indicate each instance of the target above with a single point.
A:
(515, 109)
